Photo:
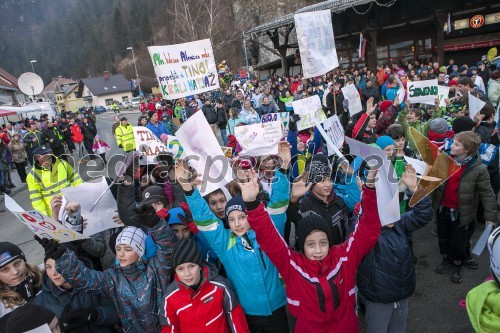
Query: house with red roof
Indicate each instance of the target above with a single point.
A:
(9, 90)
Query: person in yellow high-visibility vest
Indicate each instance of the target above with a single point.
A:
(48, 176)
(125, 135)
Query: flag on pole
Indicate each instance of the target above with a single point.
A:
(448, 24)
(362, 46)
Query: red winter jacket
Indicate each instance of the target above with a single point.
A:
(213, 308)
(321, 295)
(76, 133)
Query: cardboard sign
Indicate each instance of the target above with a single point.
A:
(150, 146)
(387, 181)
(228, 151)
(204, 153)
(101, 217)
(316, 42)
(40, 224)
(423, 91)
(310, 111)
(475, 105)
(259, 139)
(185, 69)
(352, 95)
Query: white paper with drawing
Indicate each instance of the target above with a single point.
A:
(204, 153)
(310, 111)
(332, 131)
(259, 139)
(352, 95)
(386, 184)
(149, 145)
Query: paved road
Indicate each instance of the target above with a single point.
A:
(433, 308)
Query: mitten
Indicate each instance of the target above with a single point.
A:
(52, 248)
(187, 220)
(162, 213)
(148, 216)
(292, 123)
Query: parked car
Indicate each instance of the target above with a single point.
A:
(136, 101)
(99, 109)
(126, 105)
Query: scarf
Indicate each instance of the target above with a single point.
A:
(26, 288)
(464, 161)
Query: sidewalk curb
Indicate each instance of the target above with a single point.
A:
(16, 190)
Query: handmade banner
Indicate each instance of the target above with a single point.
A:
(423, 91)
(334, 133)
(443, 93)
(150, 146)
(332, 148)
(316, 42)
(352, 95)
(204, 153)
(40, 224)
(101, 217)
(310, 111)
(259, 139)
(284, 117)
(185, 69)
(475, 105)
(387, 182)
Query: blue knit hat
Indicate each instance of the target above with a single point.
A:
(385, 141)
(236, 203)
(174, 215)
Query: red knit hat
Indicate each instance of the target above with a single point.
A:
(384, 105)
(453, 82)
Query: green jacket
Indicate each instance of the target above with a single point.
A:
(482, 307)
(421, 126)
(474, 184)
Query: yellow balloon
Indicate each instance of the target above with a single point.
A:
(492, 53)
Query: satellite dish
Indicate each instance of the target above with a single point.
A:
(30, 83)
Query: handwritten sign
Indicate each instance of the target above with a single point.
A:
(352, 95)
(316, 42)
(259, 139)
(334, 133)
(423, 91)
(310, 111)
(42, 225)
(185, 69)
(283, 117)
(150, 146)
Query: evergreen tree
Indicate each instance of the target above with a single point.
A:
(119, 33)
(146, 32)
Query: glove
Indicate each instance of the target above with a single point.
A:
(52, 248)
(148, 216)
(188, 219)
(72, 318)
(163, 213)
(292, 122)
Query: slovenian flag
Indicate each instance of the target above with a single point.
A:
(362, 46)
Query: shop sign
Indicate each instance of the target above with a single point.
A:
(477, 21)
(470, 46)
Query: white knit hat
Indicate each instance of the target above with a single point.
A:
(133, 237)
(494, 248)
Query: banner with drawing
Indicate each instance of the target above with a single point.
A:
(334, 134)
(423, 91)
(42, 225)
(310, 111)
(284, 117)
(352, 95)
(259, 139)
(185, 69)
(316, 42)
(150, 146)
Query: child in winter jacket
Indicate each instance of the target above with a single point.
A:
(320, 278)
(199, 300)
(386, 276)
(100, 148)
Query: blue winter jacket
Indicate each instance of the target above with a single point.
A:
(135, 290)
(254, 277)
(55, 299)
(387, 273)
(158, 129)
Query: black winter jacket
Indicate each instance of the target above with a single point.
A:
(387, 273)
(49, 134)
(210, 113)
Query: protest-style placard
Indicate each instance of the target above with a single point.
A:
(423, 91)
(386, 184)
(185, 69)
(401, 94)
(316, 42)
(283, 117)
(352, 95)
(259, 139)
(204, 153)
(475, 105)
(40, 224)
(332, 147)
(443, 93)
(310, 111)
(101, 217)
(150, 146)
(334, 133)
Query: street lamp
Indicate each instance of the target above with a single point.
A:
(32, 62)
(136, 75)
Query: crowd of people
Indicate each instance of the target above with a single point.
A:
(294, 243)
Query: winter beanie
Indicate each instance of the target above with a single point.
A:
(438, 126)
(318, 167)
(385, 141)
(174, 215)
(28, 317)
(185, 251)
(494, 249)
(384, 105)
(236, 203)
(462, 124)
(309, 223)
(9, 252)
(133, 237)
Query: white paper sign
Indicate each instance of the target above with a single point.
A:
(332, 148)
(40, 224)
(386, 184)
(316, 42)
(204, 153)
(185, 69)
(334, 133)
(418, 165)
(283, 117)
(352, 95)
(150, 146)
(259, 139)
(101, 217)
(443, 94)
(310, 111)
(401, 94)
(423, 91)
(475, 105)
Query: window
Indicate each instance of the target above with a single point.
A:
(124, 98)
(108, 101)
(75, 94)
(403, 50)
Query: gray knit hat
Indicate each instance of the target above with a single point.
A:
(185, 251)
(438, 125)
